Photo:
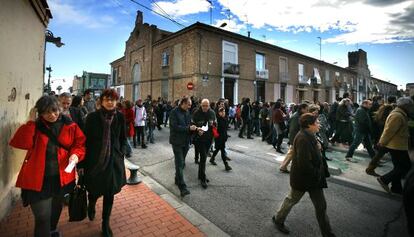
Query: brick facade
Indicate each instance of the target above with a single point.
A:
(168, 61)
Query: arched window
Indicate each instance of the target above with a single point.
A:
(136, 78)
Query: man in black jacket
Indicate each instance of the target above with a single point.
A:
(246, 115)
(307, 175)
(203, 119)
(180, 131)
(362, 131)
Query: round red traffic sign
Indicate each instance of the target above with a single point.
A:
(190, 86)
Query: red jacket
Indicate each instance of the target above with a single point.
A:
(27, 137)
(129, 120)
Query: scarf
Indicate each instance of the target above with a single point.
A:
(107, 117)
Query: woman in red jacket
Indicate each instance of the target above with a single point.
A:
(129, 122)
(52, 142)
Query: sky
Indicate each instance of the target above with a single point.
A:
(95, 31)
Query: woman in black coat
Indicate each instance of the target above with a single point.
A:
(104, 160)
(220, 142)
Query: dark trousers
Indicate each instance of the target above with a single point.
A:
(256, 126)
(376, 159)
(108, 201)
(222, 149)
(46, 214)
(343, 132)
(246, 124)
(319, 202)
(358, 138)
(265, 131)
(203, 147)
(139, 137)
(402, 164)
(180, 152)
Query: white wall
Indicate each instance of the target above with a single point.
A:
(21, 67)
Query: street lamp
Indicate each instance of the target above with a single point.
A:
(320, 48)
(49, 37)
(55, 40)
(49, 69)
(224, 24)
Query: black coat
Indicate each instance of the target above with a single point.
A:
(77, 115)
(112, 179)
(201, 119)
(308, 171)
(222, 130)
(180, 127)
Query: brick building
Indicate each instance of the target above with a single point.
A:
(220, 63)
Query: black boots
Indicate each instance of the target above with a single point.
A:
(106, 213)
(91, 209)
(228, 168)
(106, 229)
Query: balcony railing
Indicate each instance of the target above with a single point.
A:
(284, 76)
(262, 74)
(231, 68)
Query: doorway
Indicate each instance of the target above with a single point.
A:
(260, 91)
(229, 89)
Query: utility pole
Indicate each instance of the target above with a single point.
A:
(320, 48)
(49, 69)
(211, 11)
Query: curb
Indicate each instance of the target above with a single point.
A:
(195, 218)
(356, 152)
(363, 187)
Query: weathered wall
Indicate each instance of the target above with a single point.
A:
(22, 43)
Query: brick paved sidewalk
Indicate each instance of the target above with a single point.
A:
(137, 211)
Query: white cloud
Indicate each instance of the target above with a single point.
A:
(231, 25)
(354, 21)
(181, 7)
(65, 13)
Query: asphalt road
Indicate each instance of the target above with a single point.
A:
(242, 202)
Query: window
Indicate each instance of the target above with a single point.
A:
(229, 53)
(301, 72)
(260, 62)
(177, 60)
(327, 77)
(165, 59)
(164, 89)
(283, 69)
(136, 73)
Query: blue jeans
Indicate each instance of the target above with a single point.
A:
(128, 146)
(150, 136)
(358, 139)
(256, 127)
(180, 152)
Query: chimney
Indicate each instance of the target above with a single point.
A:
(248, 34)
(139, 19)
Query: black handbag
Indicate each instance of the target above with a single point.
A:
(78, 205)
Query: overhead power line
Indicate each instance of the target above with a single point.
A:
(166, 17)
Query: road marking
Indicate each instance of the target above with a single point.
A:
(242, 146)
(277, 158)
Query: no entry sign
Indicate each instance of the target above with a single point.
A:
(190, 86)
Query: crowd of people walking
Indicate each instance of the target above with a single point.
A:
(97, 135)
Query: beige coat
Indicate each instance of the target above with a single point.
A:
(395, 135)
